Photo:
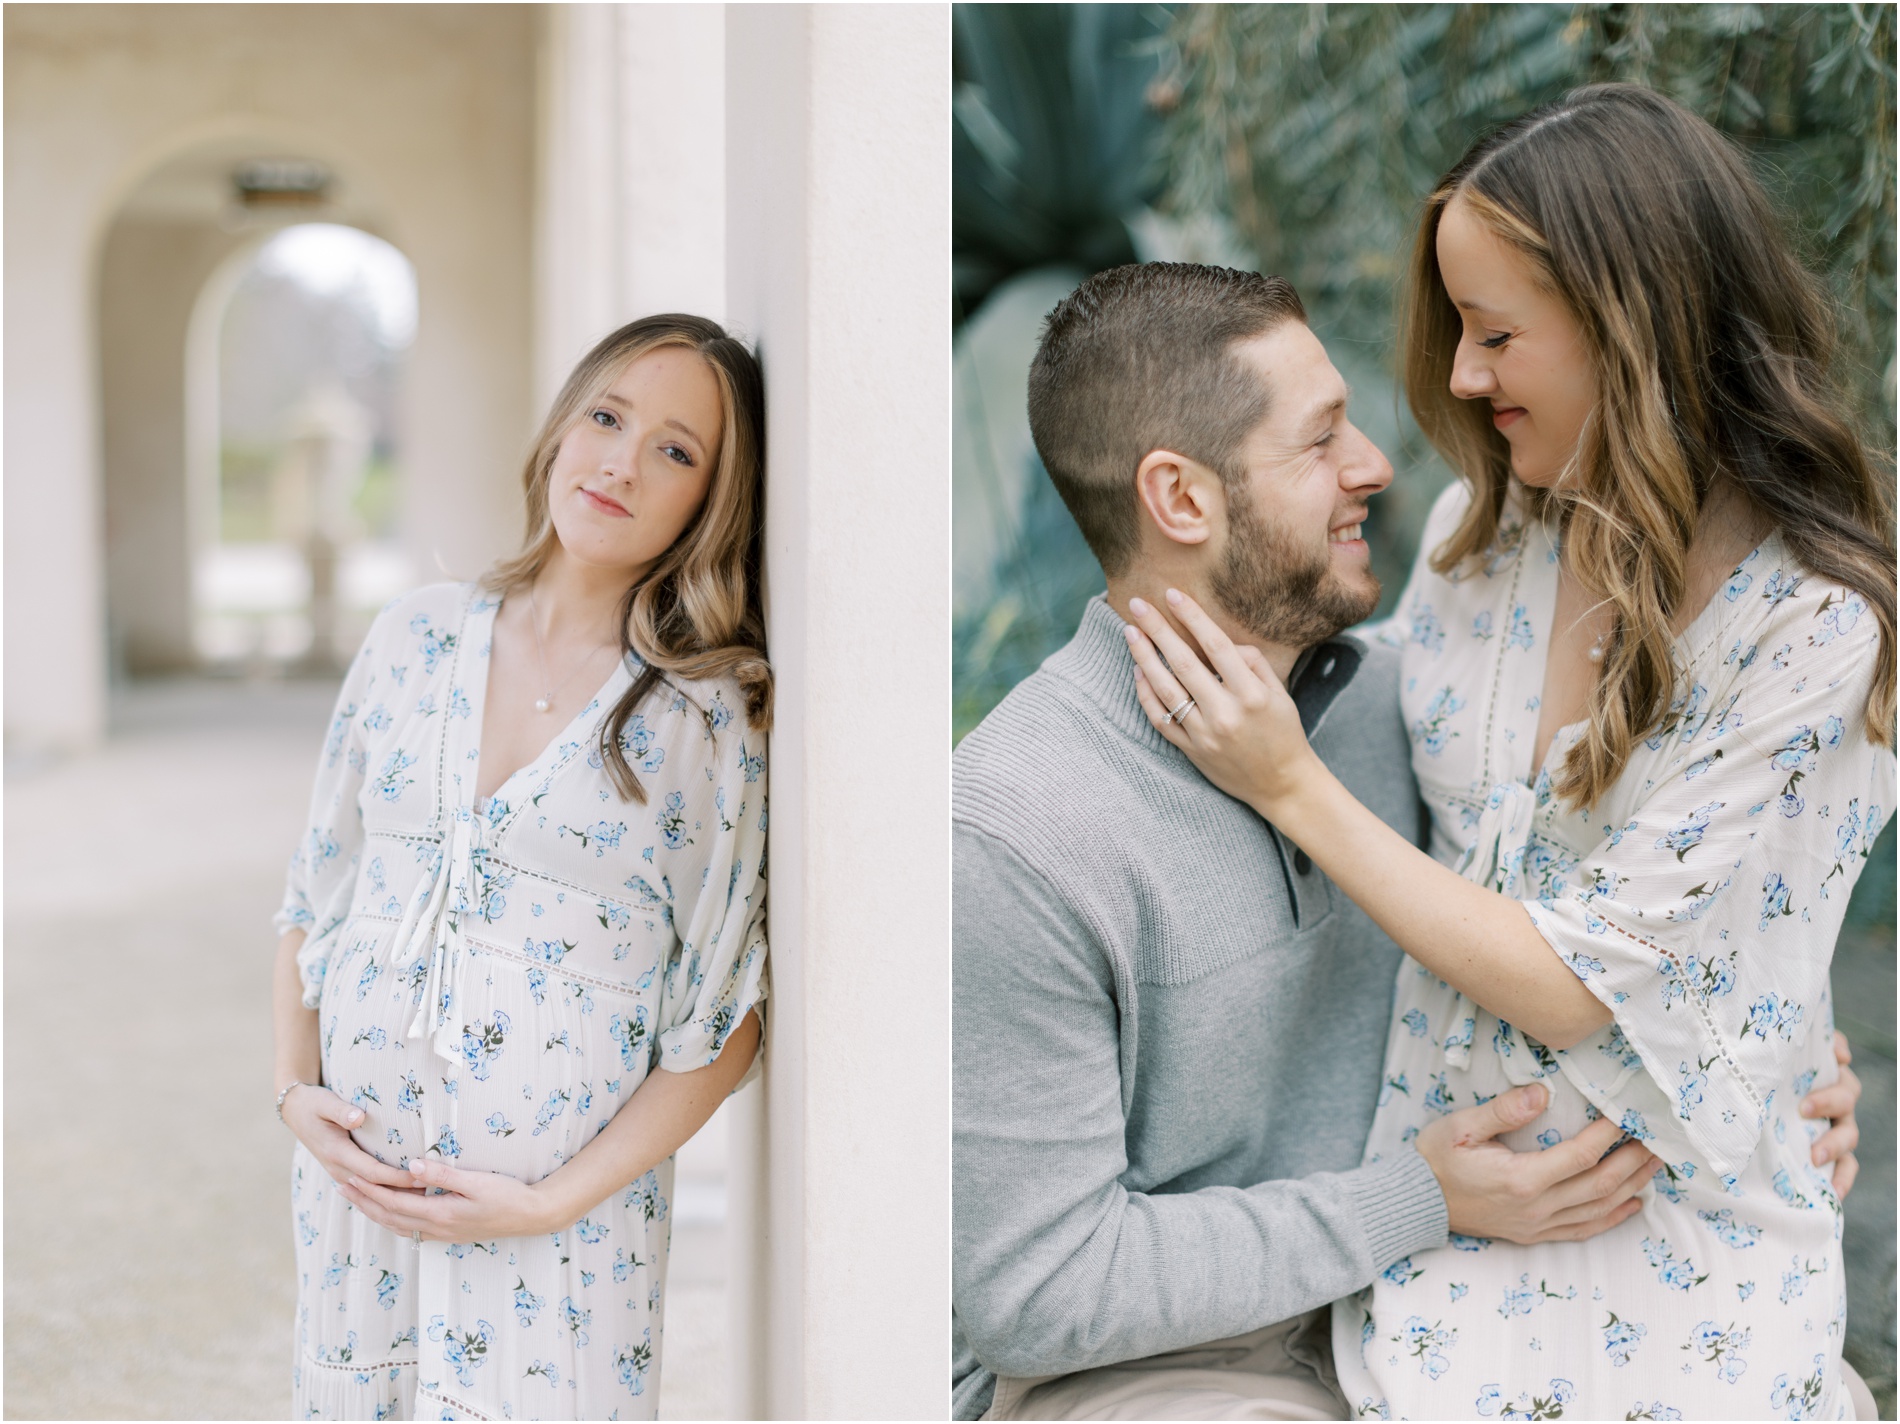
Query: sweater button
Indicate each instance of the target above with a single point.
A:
(1302, 862)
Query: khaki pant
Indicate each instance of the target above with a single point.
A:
(1863, 1397)
(1283, 1371)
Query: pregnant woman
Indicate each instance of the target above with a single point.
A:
(1649, 676)
(533, 875)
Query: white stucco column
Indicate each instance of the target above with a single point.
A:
(673, 159)
(577, 208)
(838, 235)
(630, 208)
(55, 571)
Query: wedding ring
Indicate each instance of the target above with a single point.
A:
(1175, 715)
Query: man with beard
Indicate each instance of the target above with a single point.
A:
(1170, 1026)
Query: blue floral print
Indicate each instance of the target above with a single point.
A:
(1528, 1405)
(631, 1364)
(465, 1351)
(492, 988)
(1799, 1397)
(527, 1303)
(390, 781)
(1401, 1272)
(1687, 833)
(1838, 616)
(1426, 1342)
(1620, 1339)
(1698, 901)
(1722, 1347)
(1736, 1234)
(1520, 635)
(1675, 1274)
(1432, 730)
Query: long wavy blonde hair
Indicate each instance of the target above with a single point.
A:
(696, 612)
(1711, 345)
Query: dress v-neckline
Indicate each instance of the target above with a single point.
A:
(479, 627)
(1541, 608)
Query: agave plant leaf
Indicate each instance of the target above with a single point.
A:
(1052, 139)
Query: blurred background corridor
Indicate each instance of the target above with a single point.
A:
(288, 288)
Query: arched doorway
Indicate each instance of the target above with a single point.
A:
(303, 340)
(248, 310)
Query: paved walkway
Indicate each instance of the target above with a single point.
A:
(148, 1263)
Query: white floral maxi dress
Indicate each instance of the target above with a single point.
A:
(1699, 902)
(492, 983)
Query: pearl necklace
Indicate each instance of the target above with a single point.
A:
(545, 702)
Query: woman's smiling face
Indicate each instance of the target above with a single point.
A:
(1522, 349)
(630, 475)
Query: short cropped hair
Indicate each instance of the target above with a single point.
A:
(1138, 359)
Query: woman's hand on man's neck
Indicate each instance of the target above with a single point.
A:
(1152, 587)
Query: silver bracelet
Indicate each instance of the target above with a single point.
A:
(293, 1083)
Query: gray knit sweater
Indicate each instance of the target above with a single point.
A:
(1169, 1029)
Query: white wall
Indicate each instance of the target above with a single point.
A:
(426, 115)
(55, 590)
(838, 259)
(630, 206)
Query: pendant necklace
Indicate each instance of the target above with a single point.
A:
(545, 702)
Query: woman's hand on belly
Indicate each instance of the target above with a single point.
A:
(663, 1112)
(471, 1206)
(322, 1121)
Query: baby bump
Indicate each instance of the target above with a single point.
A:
(1704, 1309)
(543, 1060)
(363, 1017)
(1507, 1061)
(538, 1063)
(1445, 1054)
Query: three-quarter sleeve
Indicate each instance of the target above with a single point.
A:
(322, 874)
(713, 833)
(1706, 918)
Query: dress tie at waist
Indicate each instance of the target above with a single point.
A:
(432, 928)
(1495, 860)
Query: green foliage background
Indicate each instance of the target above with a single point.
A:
(1054, 146)
(1304, 137)
(1319, 128)
(1309, 134)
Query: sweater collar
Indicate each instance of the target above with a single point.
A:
(1097, 661)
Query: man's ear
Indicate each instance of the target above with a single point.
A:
(1179, 496)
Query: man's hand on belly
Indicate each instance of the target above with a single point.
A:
(1568, 1192)
(1837, 1102)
